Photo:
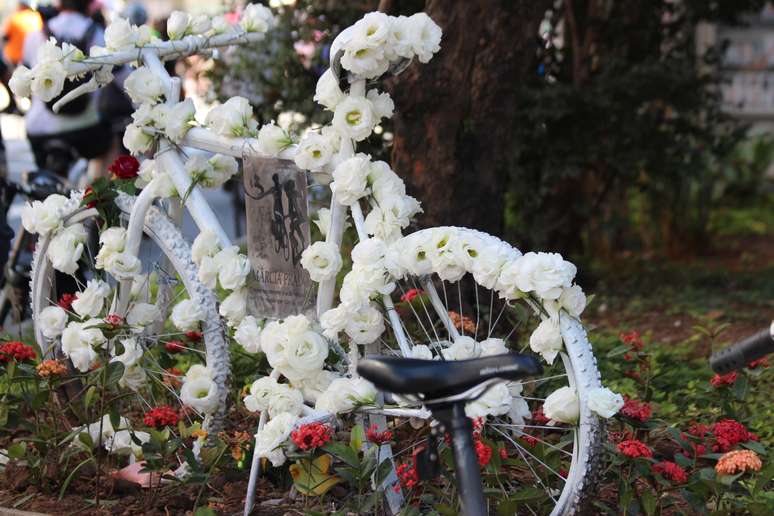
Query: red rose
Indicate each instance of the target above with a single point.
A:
(125, 167)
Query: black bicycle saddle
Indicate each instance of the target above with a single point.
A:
(437, 379)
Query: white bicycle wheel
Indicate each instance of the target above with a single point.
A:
(552, 465)
(169, 275)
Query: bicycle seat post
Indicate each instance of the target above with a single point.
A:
(471, 491)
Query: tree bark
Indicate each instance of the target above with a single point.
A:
(453, 127)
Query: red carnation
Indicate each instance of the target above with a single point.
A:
(636, 409)
(411, 294)
(125, 167)
(16, 350)
(174, 346)
(723, 380)
(633, 448)
(671, 471)
(66, 301)
(160, 417)
(311, 436)
(375, 436)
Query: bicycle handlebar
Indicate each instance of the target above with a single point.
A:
(738, 355)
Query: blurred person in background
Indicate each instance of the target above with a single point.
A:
(78, 124)
(24, 20)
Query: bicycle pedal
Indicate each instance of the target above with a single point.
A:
(427, 462)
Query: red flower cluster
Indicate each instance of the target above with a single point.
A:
(89, 197)
(411, 294)
(671, 471)
(408, 476)
(634, 448)
(160, 417)
(728, 433)
(193, 336)
(529, 440)
(636, 409)
(66, 301)
(761, 362)
(375, 436)
(114, 320)
(174, 346)
(699, 430)
(311, 436)
(723, 380)
(483, 452)
(125, 167)
(538, 417)
(16, 350)
(633, 340)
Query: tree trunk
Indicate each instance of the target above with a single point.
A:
(454, 120)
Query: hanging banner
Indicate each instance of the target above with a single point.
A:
(277, 234)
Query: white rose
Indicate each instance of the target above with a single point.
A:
(260, 393)
(248, 335)
(225, 121)
(464, 347)
(327, 93)
(373, 29)
(179, 120)
(285, 399)
(50, 51)
(120, 35)
(123, 441)
(381, 103)
(546, 274)
(562, 405)
(487, 266)
(142, 314)
(224, 166)
(178, 24)
(159, 115)
(143, 86)
(313, 386)
(77, 344)
(365, 325)
(186, 315)
(21, 81)
(604, 402)
(233, 268)
(257, 18)
(146, 173)
(402, 37)
(494, 402)
(354, 117)
(273, 343)
(305, 354)
(66, 248)
(162, 185)
(132, 353)
(220, 25)
(91, 301)
(113, 238)
(493, 346)
(268, 442)
(369, 252)
(333, 321)
(421, 351)
(272, 140)
(364, 60)
(136, 140)
(43, 217)
(384, 182)
(208, 272)
(314, 152)
(323, 221)
(426, 36)
(52, 321)
(234, 307)
(200, 24)
(198, 371)
(134, 378)
(205, 244)
(350, 179)
(201, 394)
(123, 266)
(547, 340)
(48, 80)
(573, 300)
(83, 358)
(344, 394)
(144, 35)
(322, 260)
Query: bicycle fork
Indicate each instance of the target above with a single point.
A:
(471, 491)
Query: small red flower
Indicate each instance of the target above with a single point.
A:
(375, 436)
(633, 448)
(408, 475)
(636, 409)
(671, 471)
(483, 452)
(17, 351)
(66, 301)
(114, 320)
(530, 440)
(728, 433)
(503, 453)
(411, 294)
(538, 417)
(160, 417)
(125, 167)
(194, 336)
(628, 357)
(90, 197)
(174, 346)
(761, 362)
(311, 436)
(633, 339)
(699, 430)
(718, 381)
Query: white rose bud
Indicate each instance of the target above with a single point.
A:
(354, 117)
(272, 140)
(322, 260)
(234, 307)
(350, 179)
(248, 335)
(48, 80)
(604, 402)
(562, 405)
(178, 24)
(327, 93)
(120, 35)
(186, 315)
(52, 321)
(547, 340)
(21, 81)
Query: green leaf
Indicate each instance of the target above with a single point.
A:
(357, 438)
(17, 450)
(755, 446)
(205, 511)
(343, 453)
(115, 370)
(71, 476)
(619, 350)
(311, 477)
(88, 398)
(649, 502)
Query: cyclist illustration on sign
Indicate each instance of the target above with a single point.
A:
(290, 243)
